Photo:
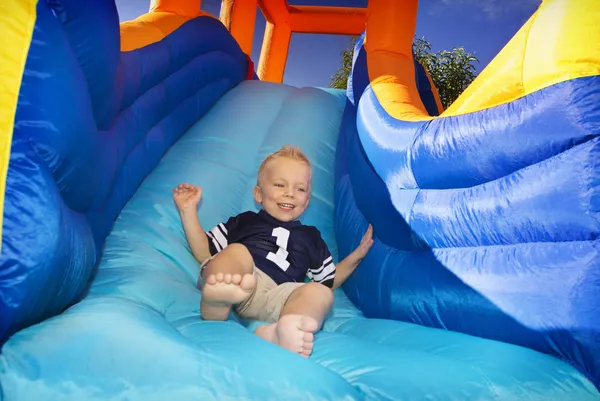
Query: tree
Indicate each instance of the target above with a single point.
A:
(451, 71)
(339, 80)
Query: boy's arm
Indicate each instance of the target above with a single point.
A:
(196, 237)
(344, 269)
(187, 197)
(347, 266)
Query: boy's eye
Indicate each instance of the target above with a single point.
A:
(279, 185)
(301, 189)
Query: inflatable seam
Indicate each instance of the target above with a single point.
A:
(159, 120)
(594, 241)
(525, 45)
(115, 177)
(171, 74)
(267, 135)
(159, 80)
(409, 150)
(409, 216)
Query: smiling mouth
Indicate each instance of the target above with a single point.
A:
(286, 206)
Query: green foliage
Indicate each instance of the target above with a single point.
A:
(339, 80)
(451, 71)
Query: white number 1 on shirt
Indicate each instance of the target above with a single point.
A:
(280, 258)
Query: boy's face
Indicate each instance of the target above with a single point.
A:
(284, 188)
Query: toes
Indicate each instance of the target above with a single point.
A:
(306, 352)
(248, 282)
(307, 345)
(306, 349)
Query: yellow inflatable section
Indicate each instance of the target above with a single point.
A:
(17, 19)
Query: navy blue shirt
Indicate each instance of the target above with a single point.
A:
(285, 251)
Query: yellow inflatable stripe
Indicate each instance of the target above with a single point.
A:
(17, 19)
(561, 41)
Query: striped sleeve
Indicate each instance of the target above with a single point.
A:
(221, 235)
(323, 270)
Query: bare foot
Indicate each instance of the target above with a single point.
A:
(292, 332)
(221, 291)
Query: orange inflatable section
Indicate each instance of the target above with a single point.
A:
(390, 60)
(185, 8)
(164, 17)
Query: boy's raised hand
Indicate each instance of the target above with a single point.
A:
(187, 196)
(365, 244)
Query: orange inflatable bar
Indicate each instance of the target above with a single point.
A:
(282, 20)
(331, 20)
(239, 17)
(276, 41)
(390, 30)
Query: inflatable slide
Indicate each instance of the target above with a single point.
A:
(484, 279)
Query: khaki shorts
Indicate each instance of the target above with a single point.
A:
(267, 299)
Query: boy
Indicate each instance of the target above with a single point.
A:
(257, 262)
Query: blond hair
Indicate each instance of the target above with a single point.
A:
(287, 151)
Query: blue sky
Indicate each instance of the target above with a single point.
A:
(483, 27)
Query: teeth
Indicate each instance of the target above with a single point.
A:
(286, 205)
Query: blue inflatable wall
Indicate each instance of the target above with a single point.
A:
(92, 122)
(486, 221)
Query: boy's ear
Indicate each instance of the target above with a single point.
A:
(257, 194)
